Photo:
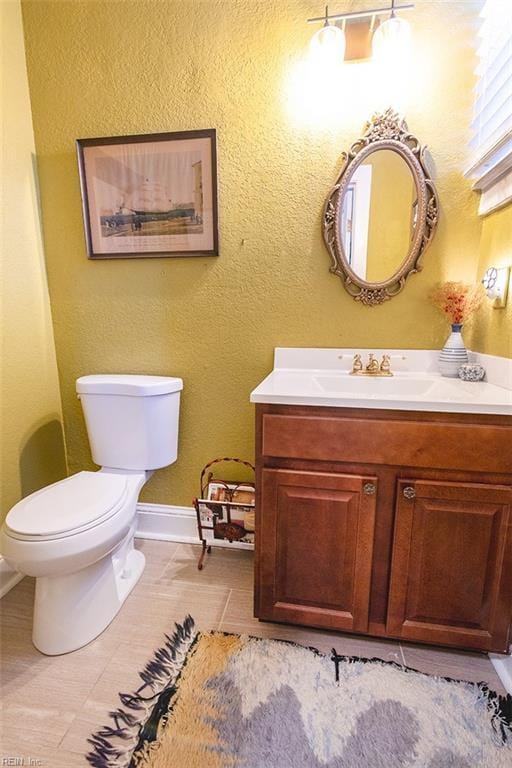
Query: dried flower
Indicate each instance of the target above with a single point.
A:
(458, 301)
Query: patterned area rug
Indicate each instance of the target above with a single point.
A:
(214, 700)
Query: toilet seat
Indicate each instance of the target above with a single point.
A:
(67, 507)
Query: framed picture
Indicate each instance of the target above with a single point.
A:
(153, 195)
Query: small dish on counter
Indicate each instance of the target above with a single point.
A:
(471, 372)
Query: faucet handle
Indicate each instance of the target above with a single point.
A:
(385, 365)
(357, 364)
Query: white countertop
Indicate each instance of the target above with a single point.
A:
(322, 377)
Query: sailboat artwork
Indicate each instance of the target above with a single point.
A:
(148, 210)
(150, 197)
(142, 197)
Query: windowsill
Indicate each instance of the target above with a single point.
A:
(496, 196)
(491, 174)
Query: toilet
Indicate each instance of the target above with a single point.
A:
(76, 536)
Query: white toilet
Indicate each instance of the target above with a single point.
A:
(76, 536)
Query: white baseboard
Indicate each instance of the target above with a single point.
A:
(167, 522)
(8, 577)
(503, 667)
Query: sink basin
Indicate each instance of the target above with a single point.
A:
(378, 386)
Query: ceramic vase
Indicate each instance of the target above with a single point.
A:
(453, 354)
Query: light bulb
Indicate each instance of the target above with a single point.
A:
(391, 41)
(329, 44)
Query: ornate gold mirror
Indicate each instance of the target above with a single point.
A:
(382, 212)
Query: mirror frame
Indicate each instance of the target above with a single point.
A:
(384, 131)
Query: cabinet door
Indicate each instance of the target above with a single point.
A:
(449, 580)
(315, 545)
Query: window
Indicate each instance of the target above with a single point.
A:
(491, 143)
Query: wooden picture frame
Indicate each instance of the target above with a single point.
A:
(150, 195)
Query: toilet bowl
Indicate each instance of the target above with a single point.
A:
(76, 536)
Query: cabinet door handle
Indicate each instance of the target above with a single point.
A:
(409, 492)
(369, 489)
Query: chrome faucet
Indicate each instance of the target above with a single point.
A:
(372, 368)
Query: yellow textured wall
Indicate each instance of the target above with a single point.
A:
(492, 328)
(32, 451)
(104, 68)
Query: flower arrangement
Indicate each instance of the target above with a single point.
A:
(457, 300)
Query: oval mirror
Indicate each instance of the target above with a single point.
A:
(382, 212)
(378, 215)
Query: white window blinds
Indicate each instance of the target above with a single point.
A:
(491, 144)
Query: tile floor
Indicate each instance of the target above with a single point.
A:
(50, 705)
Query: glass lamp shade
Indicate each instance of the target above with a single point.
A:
(329, 44)
(391, 41)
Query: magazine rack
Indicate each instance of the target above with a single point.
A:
(225, 507)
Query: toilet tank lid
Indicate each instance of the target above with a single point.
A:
(127, 384)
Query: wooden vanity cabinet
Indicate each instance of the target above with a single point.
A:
(393, 524)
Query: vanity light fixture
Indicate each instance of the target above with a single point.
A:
(353, 41)
(495, 282)
(392, 39)
(329, 42)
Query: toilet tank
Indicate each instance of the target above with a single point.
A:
(132, 421)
